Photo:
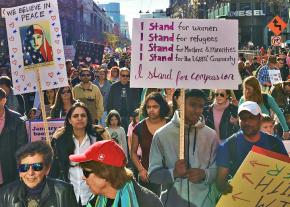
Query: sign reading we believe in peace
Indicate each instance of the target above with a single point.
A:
(185, 53)
(35, 42)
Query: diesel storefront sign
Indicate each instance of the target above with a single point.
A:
(246, 13)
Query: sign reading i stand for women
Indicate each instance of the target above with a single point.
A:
(35, 42)
(185, 53)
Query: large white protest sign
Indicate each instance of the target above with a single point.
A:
(35, 41)
(185, 53)
(275, 76)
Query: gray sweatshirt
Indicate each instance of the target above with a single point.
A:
(164, 153)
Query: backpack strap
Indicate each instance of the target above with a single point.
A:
(232, 142)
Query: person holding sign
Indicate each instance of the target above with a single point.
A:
(35, 189)
(263, 74)
(233, 151)
(77, 136)
(185, 182)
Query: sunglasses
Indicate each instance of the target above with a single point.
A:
(219, 94)
(87, 173)
(63, 92)
(85, 75)
(125, 76)
(26, 167)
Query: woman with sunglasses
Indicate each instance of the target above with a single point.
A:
(76, 137)
(34, 187)
(105, 172)
(221, 115)
(64, 101)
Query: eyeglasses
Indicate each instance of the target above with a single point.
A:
(85, 75)
(219, 94)
(26, 167)
(125, 76)
(63, 92)
(87, 173)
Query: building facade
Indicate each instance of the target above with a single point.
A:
(253, 16)
(113, 10)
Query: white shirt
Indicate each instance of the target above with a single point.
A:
(76, 174)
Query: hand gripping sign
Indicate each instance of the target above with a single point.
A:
(262, 180)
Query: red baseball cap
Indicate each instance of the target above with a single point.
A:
(107, 152)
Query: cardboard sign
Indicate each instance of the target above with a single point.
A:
(35, 42)
(89, 52)
(287, 145)
(262, 180)
(275, 76)
(277, 25)
(36, 129)
(185, 53)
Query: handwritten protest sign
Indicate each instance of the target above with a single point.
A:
(287, 145)
(36, 129)
(262, 180)
(275, 76)
(185, 53)
(35, 41)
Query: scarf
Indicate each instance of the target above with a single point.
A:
(126, 195)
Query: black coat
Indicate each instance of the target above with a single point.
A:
(226, 128)
(61, 146)
(56, 193)
(13, 136)
(114, 99)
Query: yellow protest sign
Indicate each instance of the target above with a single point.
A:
(263, 180)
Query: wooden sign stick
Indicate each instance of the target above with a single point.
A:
(42, 106)
(181, 123)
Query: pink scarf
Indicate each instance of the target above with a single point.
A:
(218, 111)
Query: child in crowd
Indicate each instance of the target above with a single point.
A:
(113, 122)
(267, 124)
(32, 114)
(134, 122)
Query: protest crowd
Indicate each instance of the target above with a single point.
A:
(119, 145)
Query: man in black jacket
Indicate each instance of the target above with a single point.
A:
(12, 136)
(123, 98)
(34, 188)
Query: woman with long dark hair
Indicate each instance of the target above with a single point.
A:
(77, 135)
(63, 102)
